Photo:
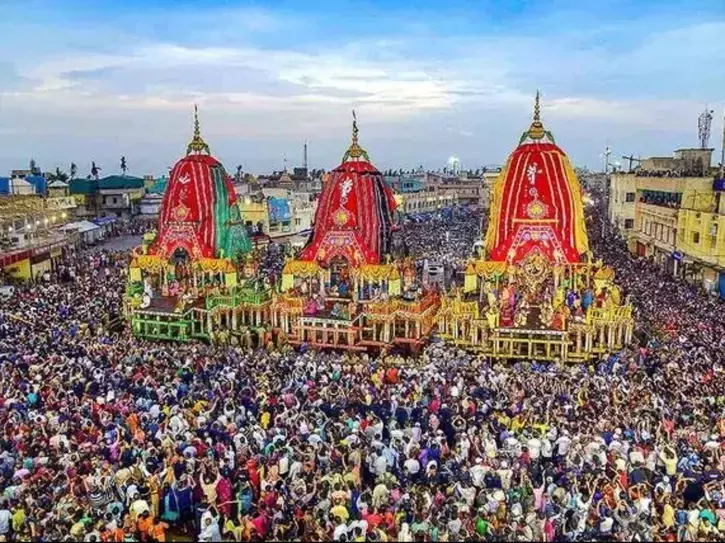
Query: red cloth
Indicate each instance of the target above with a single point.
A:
(354, 216)
(187, 213)
(537, 206)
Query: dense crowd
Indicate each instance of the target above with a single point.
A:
(444, 238)
(109, 438)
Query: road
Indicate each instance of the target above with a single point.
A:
(122, 243)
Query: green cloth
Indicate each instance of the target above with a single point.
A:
(232, 240)
(481, 526)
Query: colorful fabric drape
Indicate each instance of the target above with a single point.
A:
(537, 206)
(354, 216)
(199, 212)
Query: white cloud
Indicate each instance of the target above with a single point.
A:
(404, 86)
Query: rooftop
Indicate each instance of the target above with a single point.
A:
(115, 182)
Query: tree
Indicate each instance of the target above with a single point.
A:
(33, 167)
(238, 176)
(57, 175)
(94, 170)
(124, 167)
(73, 170)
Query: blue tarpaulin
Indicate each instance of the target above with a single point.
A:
(4, 185)
(39, 182)
(279, 210)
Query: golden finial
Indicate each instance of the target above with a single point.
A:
(354, 128)
(355, 152)
(197, 144)
(536, 131)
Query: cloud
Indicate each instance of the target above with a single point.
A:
(261, 75)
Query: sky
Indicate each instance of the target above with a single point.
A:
(84, 81)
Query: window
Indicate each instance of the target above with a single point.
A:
(630, 196)
(629, 224)
(696, 237)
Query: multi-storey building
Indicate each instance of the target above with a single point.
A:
(420, 192)
(278, 213)
(671, 210)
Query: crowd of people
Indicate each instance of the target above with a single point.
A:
(110, 438)
(446, 238)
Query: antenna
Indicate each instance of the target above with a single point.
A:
(704, 124)
(631, 159)
(305, 156)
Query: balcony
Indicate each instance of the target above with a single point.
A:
(665, 212)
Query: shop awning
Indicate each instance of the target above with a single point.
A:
(81, 227)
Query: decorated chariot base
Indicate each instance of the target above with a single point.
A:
(536, 293)
(344, 291)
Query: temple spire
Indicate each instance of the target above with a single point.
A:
(536, 131)
(197, 144)
(354, 128)
(355, 152)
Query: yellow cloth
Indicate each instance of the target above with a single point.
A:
(517, 424)
(668, 516)
(492, 231)
(670, 464)
(340, 511)
(266, 417)
(77, 530)
(18, 519)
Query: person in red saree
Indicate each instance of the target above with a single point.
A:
(224, 496)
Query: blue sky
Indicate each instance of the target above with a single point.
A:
(94, 80)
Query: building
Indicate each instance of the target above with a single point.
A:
(84, 192)
(150, 205)
(120, 195)
(58, 188)
(419, 192)
(30, 242)
(112, 196)
(278, 213)
(668, 213)
(489, 178)
(622, 198)
(465, 190)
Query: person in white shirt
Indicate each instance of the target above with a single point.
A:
(412, 466)
(478, 472)
(547, 449)
(340, 532)
(563, 443)
(534, 446)
(5, 519)
(606, 524)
